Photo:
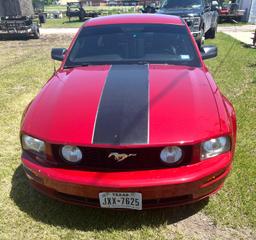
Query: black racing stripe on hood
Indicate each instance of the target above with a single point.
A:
(123, 110)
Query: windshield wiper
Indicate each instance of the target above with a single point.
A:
(78, 65)
(141, 62)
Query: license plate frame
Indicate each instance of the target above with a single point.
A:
(121, 200)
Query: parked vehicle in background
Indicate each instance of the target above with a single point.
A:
(200, 15)
(224, 9)
(230, 12)
(17, 19)
(76, 9)
(151, 8)
(39, 10)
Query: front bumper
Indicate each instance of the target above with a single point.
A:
(159, 188)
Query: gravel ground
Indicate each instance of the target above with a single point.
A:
(235, 28)
(47, 31)
(241, 33)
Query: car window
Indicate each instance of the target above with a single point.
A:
(133, 43)
(181, 4)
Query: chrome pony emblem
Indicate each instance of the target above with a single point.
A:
(119, 157)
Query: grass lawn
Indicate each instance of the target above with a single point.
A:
(235, 72)
(48, 8)
(229, 24)
(55, 8)
(64, 22)
(75, 23)
(25, 214)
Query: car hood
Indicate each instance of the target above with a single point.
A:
(180, 11)
(123, 105)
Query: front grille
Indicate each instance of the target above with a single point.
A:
(93, 202)
(189, 21)
(98, 158)
(161, 202)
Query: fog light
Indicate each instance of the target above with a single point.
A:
(71, 154)
(171, 155)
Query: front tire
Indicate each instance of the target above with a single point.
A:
(211, 33)
(36, 34)
(200, 41)
(82, 16)
(81, 19)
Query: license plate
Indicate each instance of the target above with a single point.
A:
(124, 200)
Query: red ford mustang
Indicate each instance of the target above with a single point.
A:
(132, 118)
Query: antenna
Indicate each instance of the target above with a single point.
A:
(54, 67)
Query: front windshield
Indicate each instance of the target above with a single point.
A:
(133, 43)
(181, 4)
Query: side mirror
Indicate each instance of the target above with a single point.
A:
(214, 7)
(58, 53)
(209, 51)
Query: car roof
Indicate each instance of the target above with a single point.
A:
(135, 18)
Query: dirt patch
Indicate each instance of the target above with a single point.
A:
(243, 34)
(45, 40)
(201, 227)
(57, 31)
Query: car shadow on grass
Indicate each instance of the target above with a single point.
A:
(15, 38)
(245, 45)
(52, 212)
(73, 21)
(253, 66)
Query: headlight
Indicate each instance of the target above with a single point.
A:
(71, 154)
(214, 147)
(197, 21)
(171, 155)
(34, 144)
